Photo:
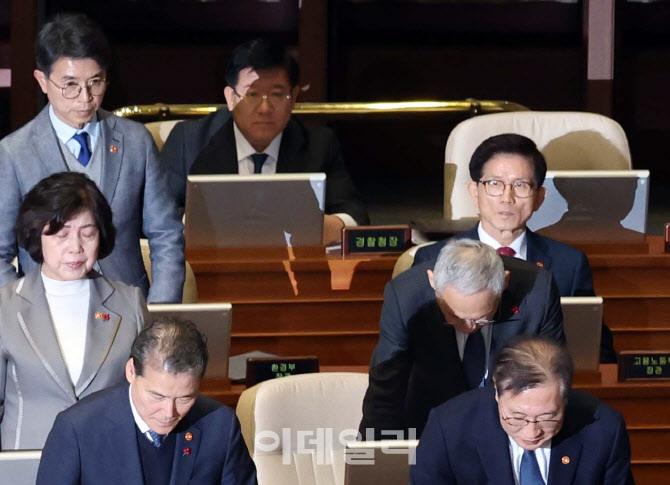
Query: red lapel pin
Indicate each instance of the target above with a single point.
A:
(186, 451)
(515, 309)
(101, 316)
(113, 149)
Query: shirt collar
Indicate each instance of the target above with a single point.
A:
(520, 244)
(65, 132)
(143, 427)
(245, 150)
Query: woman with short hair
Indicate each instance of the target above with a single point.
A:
(65, 329)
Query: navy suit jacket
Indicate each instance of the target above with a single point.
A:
(464, 443)
(569, 267)
(416, 365)
(303, 149)
(95, 442)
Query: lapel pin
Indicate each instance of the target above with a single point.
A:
(515, 309)
(113, 149)
(188, 436)
(540, 264)
(565, 460)
(186, 451)
(101, 316)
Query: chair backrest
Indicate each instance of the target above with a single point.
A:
(160, 130)
(296, 426)
(190, 294)
(568, 140)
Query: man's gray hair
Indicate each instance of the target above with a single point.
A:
(170, 345)
(469, 266)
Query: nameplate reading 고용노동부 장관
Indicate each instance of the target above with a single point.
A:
(644, 365)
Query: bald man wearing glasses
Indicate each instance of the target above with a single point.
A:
(442, 326)
(262, 137)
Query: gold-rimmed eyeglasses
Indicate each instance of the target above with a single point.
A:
(253, 98)
(520, 188)
(72, 90)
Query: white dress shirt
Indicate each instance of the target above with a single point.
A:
(68, 306)
(65, 132)
(245, 164)
(542, 454)
(520, 244)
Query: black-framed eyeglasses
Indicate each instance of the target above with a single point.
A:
(254, 99)
(496, 188)
(545, 424)
(72, 90)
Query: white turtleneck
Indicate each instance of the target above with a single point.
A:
(68, 304)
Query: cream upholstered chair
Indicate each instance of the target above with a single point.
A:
(295, 426)
(160, 130)
(190, 294)
(568, 140)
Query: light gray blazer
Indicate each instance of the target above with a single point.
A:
(134, 183)
(34, 382)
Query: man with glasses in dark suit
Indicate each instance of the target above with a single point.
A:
(262, 136)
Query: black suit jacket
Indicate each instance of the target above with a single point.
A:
(569, 267)
(95, 442)
(416, 365)
(303, 149)
(464, 443)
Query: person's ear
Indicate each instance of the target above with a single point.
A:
(130, 371)
(41, 80)
(474, 195)
(231, 98)
(539, 198)
(294, 95)
(431, 278)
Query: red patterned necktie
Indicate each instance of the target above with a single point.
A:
(506, 251)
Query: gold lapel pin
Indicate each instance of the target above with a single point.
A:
(540, 264)
(565, 460)
(188, 436)
(113, 149)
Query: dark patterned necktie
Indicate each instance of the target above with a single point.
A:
(474, 360)
(259, 160)
(156, 439)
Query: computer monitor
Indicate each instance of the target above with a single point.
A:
(19, 467)
(384, 462)
(582, 323)
(214, 320)
(239, 211)
(594, 206)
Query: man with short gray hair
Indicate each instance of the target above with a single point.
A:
(441, 328)
(529, 428)
(156, 430)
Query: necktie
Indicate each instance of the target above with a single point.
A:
(474, 360)
(85, 152)
(156, 439)
(259, 160)
(530, 471)
(505, 251)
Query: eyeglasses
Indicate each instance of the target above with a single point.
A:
(72, 90)
(480, 322)
(253, 98)
(496, 188)
(545, 424)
